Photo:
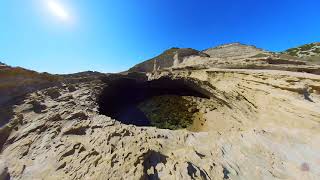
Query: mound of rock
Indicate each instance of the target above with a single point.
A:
(235, 51)
(167, 59)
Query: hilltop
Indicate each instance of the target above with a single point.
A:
(167, 59)
(309, 52)
(231, 56)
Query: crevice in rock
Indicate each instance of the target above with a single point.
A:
(76, 131)
(306, 95)
(194, 174)
(226, 173)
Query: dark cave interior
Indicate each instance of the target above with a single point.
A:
(120, 98)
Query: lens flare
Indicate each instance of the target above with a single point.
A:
(58, 10)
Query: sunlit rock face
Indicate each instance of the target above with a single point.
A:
(169, 58)
(251, 117)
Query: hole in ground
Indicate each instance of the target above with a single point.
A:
(163, 103)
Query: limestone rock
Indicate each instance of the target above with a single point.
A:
(169, 58)
(235, 51)
(4, 175)
(257, 123)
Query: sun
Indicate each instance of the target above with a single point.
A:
(57, 9)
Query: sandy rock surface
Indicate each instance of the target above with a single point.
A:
(259, 124)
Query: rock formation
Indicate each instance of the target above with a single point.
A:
(167, 59)
(15, 83)
(255, 115)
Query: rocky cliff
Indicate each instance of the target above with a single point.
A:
(15, 83)
(230, 112)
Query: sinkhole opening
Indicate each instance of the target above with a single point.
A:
(162, 103)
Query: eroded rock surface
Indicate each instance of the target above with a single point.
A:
(258, 124)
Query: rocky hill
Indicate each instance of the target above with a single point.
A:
(308, 52)
(235, 51)
(230, 112)
(231, 56)
(167, 59)
(175, 56)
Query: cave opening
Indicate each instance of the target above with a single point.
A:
(158, 103)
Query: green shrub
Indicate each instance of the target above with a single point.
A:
(169, 112)
(306, 47)
(260, 55)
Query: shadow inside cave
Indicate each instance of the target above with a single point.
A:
(120, 98)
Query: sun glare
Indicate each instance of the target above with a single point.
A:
(58, 10)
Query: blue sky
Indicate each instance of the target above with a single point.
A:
(113, 35)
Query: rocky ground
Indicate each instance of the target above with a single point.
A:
(260, 120)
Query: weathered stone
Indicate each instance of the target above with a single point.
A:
(255, 124)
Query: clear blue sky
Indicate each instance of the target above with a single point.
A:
(113, 35)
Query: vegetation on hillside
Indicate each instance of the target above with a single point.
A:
(170, 112)
(308, 52)
(312, 49)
